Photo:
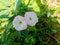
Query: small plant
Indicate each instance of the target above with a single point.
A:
(26, 26)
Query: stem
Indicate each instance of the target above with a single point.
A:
(28, 2)
(19, 35)
(52, 38)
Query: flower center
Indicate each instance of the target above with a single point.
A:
(30, 18)
(20, 22)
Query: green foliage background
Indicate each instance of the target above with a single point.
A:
(41, 34)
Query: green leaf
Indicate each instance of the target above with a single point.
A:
(5, 34)
(18, 6)
(58, 40)
(19, 34)
(41, 14)
(43, 7)
(8, 26)
(54, 20)
(24, 33)
(38, 3)
(54, 31)
(52, 11)
(4, 16)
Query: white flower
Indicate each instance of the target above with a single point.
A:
(20, 23)
(31, 18)
(48, 14)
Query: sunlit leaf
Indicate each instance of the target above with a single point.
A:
(5, 34)
(18, 6)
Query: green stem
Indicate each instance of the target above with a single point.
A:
(19, 35)
(28, 2)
